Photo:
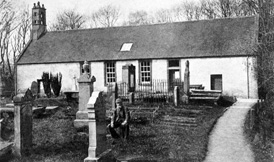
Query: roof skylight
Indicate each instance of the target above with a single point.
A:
(126, 47)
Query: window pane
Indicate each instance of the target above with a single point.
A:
(145, 72)
(110, 72)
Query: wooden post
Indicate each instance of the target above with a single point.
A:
(23, 123)
(97, 128)
(114, 95)
(1, 128)
(85, 90)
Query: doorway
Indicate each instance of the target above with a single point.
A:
(216, 82)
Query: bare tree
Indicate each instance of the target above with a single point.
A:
(164, 16)
(7, 26)
(22, 34)
(139, 18)
(106, 16)
(189, 10)
(210, 8)
(68, 20)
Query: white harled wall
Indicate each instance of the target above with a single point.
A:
(26, 74)
(237, 80)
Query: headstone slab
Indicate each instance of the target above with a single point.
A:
(34, 88)
(23, 123)
(97, 128)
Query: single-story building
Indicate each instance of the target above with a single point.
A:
(220, 53)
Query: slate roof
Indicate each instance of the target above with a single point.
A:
(192, 39)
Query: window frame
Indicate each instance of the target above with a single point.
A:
(140, 72)
(106, 72)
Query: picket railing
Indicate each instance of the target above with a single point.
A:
(157, 91)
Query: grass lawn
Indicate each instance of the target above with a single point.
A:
(55, 139)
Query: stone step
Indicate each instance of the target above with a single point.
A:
(133, 158)
(179, 119)
(187, 111)
(206, 91)
(204, 95)
(203, 98)
(169, 124)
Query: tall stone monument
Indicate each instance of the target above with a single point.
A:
(97, 150)
(85, 90)
(185, 97)
(23, 123)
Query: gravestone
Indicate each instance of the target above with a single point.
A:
(85, 90)
(34, 88)
(176, 95)
(185, 97)
(97, 150)
(23, 123)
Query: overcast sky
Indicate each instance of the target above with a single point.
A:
(88, 6)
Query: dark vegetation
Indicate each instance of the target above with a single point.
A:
(258, 131)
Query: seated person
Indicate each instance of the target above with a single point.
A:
(119, 119)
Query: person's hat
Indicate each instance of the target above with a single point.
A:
(118, 100)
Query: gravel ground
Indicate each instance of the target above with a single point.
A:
(227, 142)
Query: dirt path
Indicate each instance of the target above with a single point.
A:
(227, 142)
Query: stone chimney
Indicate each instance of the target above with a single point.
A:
(39, 25)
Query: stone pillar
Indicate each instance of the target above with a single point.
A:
(23, 123)
(114, 95)
(176, 95)
(185, 97)
(85, 90)
(97, 128)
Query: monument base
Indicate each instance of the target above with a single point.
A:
(104, 157)
(81, 120)
(80, 123)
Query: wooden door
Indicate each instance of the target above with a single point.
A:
(216, 82)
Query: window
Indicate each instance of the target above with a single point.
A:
(145, 72)
(126, 47)
(110, 74)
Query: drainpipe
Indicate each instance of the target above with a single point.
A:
(247, 71)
